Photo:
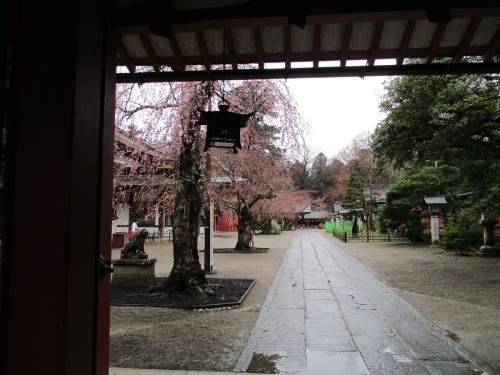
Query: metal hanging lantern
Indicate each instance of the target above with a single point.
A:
(223, 127)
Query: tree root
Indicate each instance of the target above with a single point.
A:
(240, 247)
(185, 284)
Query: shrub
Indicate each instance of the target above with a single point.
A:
(462, 232)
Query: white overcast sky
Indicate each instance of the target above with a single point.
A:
(337, 109)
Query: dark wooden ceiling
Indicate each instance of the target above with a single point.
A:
(180, 40)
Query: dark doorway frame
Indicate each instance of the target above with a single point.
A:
(59, 122)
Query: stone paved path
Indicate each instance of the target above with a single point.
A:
(327, 314)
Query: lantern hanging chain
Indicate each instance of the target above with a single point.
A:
(223, 83)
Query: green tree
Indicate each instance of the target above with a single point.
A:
(405, 207)
(462, 232)
(322, 176)
(301, 168)
(358, 197)
(406, 134)
(366, 179)
(452, 120)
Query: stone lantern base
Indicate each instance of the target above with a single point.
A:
(489, 251)
(133, 272)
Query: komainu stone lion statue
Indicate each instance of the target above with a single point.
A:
(134, 248)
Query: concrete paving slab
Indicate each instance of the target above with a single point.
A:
(135, 371)
(326, 313)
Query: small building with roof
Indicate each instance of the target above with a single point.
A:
(309, 218)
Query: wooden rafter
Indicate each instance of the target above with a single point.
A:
(316, 45)
(436, 40)
(126, 57)
(377, 34)
(288, 47)
(203, 50)
(231, 48)
(410, 27)
(148, 47)
(258, 46)
(346, 41)
(469, 34)
(493, 47)
(351, 71)
(181, 65)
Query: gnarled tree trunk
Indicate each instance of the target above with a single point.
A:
(187, 277)
(246, 220)
(161, 223)
(244, 229)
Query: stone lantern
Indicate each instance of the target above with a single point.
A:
(488, 223)
(435, 204)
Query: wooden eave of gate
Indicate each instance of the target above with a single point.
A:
(363, 32)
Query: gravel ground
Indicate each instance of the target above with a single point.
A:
(460, 295)
(165, 338)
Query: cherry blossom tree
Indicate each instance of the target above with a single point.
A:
(257, 171)
(147, 145)
(284, 206)
(179, 134)
(251, 176)
(165, 117)
(186, 275)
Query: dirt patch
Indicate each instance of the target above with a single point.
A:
(212, 340)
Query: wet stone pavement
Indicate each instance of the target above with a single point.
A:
(327, 314)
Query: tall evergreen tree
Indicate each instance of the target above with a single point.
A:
(449, 119)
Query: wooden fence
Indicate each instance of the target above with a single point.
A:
(155, 235)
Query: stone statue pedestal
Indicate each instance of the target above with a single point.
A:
(133, 272)
(489, 251)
